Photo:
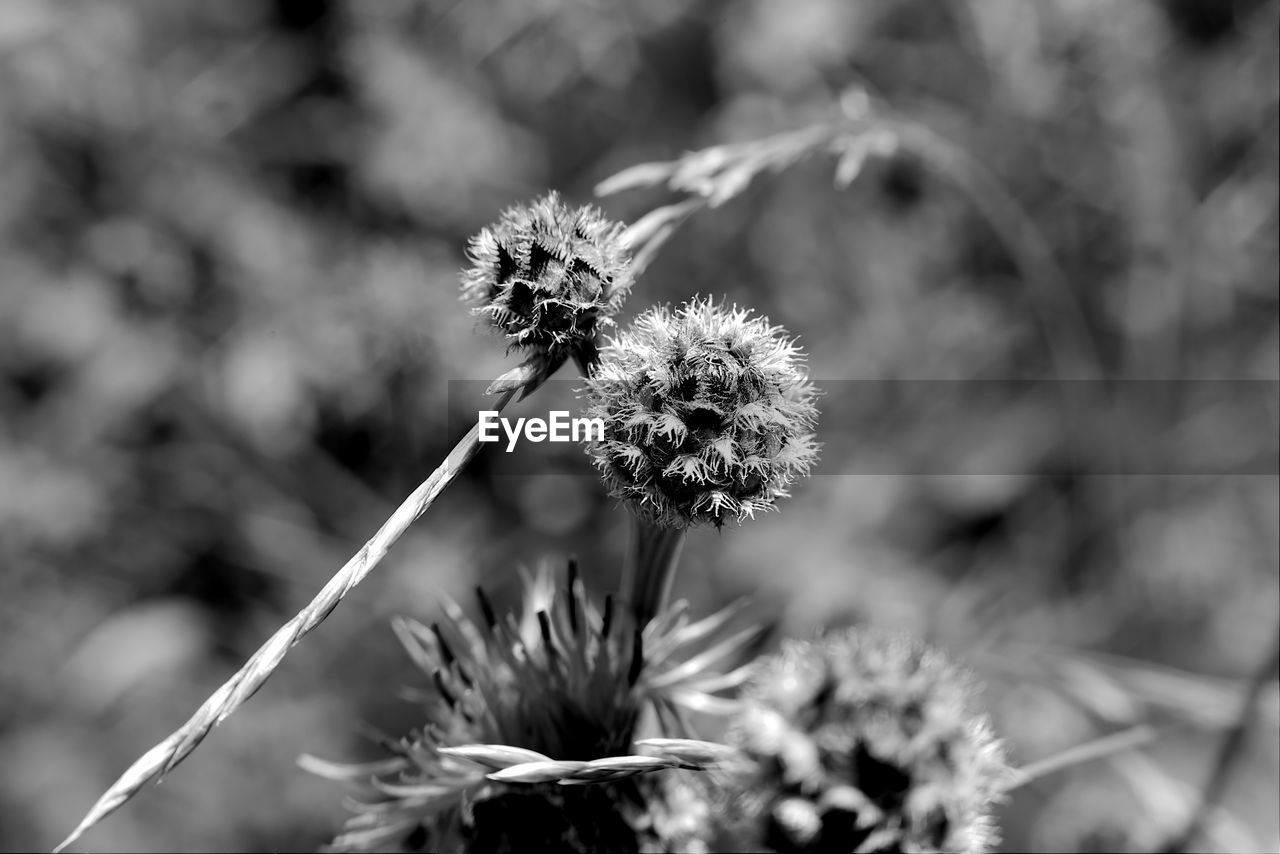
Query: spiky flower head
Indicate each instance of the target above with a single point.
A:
(864, 742)
(530, 735)
(708, 412)
(547, 275)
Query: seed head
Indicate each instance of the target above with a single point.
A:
(708, 412)
(863, 742)
(548, 275)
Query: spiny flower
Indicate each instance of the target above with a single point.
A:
(708, 412)
(863, 742)
(530, 738)
(547, 275)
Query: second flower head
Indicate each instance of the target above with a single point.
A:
(709, 414)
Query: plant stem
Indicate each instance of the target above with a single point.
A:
(162, 758)
(650, 567)
(1100, 748)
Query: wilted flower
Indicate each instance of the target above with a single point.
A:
(548, 275)
(863, 742)
(529, 742)
(708, 413)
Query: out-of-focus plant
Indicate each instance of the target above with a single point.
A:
(532, 731)
(864, 742)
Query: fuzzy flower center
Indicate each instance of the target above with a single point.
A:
(708, 415)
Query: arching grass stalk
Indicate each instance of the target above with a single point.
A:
(162, 758)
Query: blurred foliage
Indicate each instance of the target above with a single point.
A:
(230, 236)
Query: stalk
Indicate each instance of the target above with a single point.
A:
(649, 571)
(166, 755)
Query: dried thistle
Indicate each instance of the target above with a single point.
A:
(708, 412)
(863, 742)
(529, 741)
(548, 276)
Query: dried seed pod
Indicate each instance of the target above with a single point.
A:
(548, 275)
(708, 412)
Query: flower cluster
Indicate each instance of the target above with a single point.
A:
(863, 742)
(708, 413)
(548, 275)
(529, 742)
(534, 727)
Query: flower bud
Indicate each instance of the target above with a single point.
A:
(867, 742)
(708, 412)
(548, 275)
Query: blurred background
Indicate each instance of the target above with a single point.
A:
(230, 236)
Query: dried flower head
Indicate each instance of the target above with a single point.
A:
(863, 742)
(547, 275)
(708, 412)
(529, 742)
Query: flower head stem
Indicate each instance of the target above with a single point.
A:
(649, 571)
